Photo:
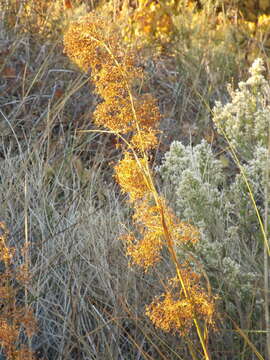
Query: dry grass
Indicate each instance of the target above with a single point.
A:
(89, 305)
(88, 302)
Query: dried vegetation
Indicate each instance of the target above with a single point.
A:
(92, 95)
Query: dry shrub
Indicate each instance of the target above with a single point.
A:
(14, 314)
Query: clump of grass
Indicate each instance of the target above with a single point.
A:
(89, 304)
(43, 19)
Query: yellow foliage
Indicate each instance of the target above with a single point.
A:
(132, 175)
(92, 44)
(151, 22)
(145, 247)
(12, 315)
(171, 312)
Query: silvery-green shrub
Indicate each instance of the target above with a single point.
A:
(219, 204)
(245, 119)
(231, 247)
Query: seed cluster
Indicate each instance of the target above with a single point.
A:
(94, 45)
(12, 314)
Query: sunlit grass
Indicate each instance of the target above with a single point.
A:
(91, 197)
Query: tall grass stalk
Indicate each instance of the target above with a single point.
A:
(266, 252)
(139, 154)
(26, 248)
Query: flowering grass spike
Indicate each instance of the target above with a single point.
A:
(134, 117)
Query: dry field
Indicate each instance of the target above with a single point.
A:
(134, 182)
